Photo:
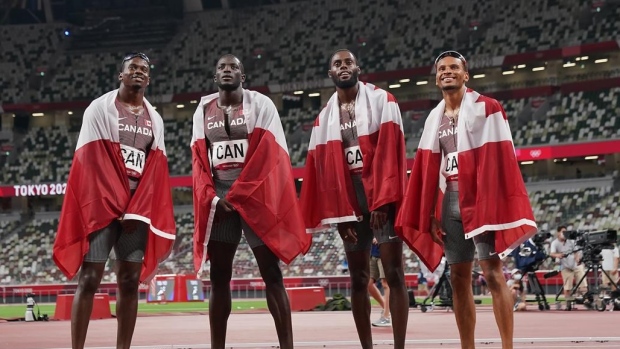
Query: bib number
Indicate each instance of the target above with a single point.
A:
(134, 160)
(228, 155)
(354, 159)
(452, 165)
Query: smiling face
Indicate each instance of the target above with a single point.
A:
(451, 74)
(135, 74)
(344, 70)
(229, 74)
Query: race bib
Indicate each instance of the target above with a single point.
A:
(353, 157)
(134, 160)
(227, 155)
(452, 166)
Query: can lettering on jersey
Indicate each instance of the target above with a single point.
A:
(452, 165)
(353, 157)
(134, 160)
(228, 155)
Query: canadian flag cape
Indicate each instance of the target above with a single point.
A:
(327, 194)
(492, 195)
(98, 190)
(264, 194)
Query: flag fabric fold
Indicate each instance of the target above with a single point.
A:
(492, 194)
(327, 188)
(98, 190)
(264, 194)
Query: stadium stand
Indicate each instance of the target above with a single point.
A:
(39, 64)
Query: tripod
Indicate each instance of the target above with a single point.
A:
(443, 289)
(536, 289)
(593, 295)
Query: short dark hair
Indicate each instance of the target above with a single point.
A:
(133, 55)
(561, 227)
(233, 56)
(329, 62)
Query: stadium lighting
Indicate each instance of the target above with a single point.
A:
(479, 76)
(394, 86)
(180, 106)
(404, 80)
(38, 114)
(527, 162)
(602, 60)
(298, 92)
(568, 64)
(193, 101)
(584, 58)
(315, 94)
(594, 157)
(538, 68)
(70, 113)
(508, 72)
(521, 66)
(421, 83)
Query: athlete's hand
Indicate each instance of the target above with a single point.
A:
(222, 208)
(378, 217)
(347, 232)
(436, 232)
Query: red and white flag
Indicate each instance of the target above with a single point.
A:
(264, 194)
(98, 190)
(492, 194)
(327, 187)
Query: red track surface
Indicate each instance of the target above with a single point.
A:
(325, 330)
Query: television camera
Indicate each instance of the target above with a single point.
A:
(591, 244)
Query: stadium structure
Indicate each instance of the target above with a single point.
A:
(551, 63)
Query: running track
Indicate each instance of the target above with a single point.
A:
(313, 330)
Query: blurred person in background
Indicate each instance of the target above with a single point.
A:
(569, 263)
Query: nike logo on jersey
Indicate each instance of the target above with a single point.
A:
(211, 117)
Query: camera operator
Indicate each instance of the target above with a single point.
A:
(610, 265)
(569, 262)
(517, 289)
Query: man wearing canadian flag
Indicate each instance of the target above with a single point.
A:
(355, 178)
(466, 194)
(243, 181)
(118, 197)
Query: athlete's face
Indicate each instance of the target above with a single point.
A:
(451, 74)
(344, 70)
(228, 73)
(136, 73)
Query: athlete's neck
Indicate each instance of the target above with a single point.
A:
(454, 98)
(230, 98)
(131, 96)
(347, 95)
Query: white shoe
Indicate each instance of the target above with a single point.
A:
(382, 322)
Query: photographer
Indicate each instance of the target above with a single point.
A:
(610, 266)
(570, 265)
(517, 289)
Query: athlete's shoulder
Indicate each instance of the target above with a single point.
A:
(379, 93)
(480, 98)
(259, 98)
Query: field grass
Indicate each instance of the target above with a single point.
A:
(12, 311)
(17, 310)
